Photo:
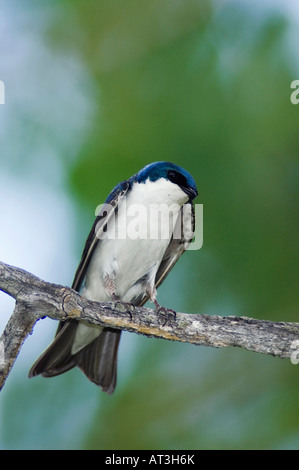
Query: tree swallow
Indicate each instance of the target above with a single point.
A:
(141, 231)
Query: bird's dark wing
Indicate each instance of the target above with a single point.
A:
(103, 218)
(182, 237)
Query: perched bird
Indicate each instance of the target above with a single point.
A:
(141, 231)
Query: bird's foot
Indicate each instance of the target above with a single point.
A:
(130, 308)
(168, 313)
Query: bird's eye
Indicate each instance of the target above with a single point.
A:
(172, 176)
(177, 178)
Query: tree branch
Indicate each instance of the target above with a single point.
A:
(36, 299)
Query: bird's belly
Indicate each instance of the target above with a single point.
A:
(123, 263)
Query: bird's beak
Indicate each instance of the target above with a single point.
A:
(191, 192)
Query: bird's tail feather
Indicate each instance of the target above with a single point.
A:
(57, 358)
(97, 360)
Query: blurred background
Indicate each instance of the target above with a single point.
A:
(93, 92)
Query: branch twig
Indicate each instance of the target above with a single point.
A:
(36, 299)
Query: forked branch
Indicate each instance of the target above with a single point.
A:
(36, 299)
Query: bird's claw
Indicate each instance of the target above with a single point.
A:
(166, 312)
(130, 308)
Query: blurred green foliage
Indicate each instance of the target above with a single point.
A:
(207, 87)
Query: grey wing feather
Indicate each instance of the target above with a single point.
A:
(182, 237)
(101, 221)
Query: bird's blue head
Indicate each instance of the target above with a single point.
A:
(171, 172)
